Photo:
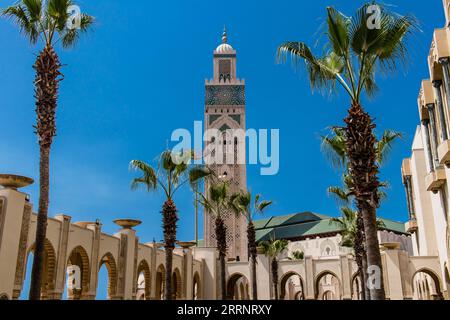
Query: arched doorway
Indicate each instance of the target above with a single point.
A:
(357, 287)
(327, 286)
(159, 285)
(78, 274)
(108, 262)
(291, 286)
(237, 287)
(48, 278)
(196, 288)
(426, 285)
(177, 286)
(143, 281)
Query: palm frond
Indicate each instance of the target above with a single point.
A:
(384, 145)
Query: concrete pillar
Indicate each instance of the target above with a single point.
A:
(153, 272)
(433, 135)
(188, 274)
(126, 263)
(14, 225)
(94, 260)
(428, 145)
(263, 277)
(309, 279)
(440, 108)
(346, 277)
(62, 255)
(210, 274)
(392, 275)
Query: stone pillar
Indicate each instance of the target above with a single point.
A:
(346, 277)
(264, 277)
(392, 275)
(62, 255)
(126, 263)
(94, 260)
(446, 72)
(309, 279)
(153, 271)
(210, 274)
(433, 134)
(12, 250)
(409, 198)
(440, 108)
(426, 132)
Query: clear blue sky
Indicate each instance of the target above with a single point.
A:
(140, 74)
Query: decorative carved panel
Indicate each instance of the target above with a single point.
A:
(225, 95)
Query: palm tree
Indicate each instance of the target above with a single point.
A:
(173, 171)
(352, 237)
(357, 49)
(333, 146)
(217, 203)
(272, 249)
(297, 255)
(242, 204)
(46, 24)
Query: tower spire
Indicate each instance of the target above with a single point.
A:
(224, 35)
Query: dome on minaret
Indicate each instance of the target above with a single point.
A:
(224, 47)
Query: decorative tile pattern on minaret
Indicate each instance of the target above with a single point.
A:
(225, 109)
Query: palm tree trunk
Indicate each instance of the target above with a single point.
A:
(363, 170)
(46, 83)
(221, 238)
(170, 219)
(360, 254)
(364, 267)
(251, 237)
(275, 277)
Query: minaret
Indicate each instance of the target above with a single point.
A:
(225, 111)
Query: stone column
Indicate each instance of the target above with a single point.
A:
(94, 261)
(409, 198)
(446, 72)
(309, 279)
(440, 108)
(346, 277)
(426, 133)
(433, 134)
(263, 275)
(126, 264)
(14, 225)
(62, 255)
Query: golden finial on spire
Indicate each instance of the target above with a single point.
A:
(224, 35)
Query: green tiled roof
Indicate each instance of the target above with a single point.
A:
(305, 224)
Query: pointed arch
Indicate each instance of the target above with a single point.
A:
(283, 282)
(196, 287)
(177, 285)
(111, 266)
(79, 257)
(143, 268)
(160, 275)
(49, 273)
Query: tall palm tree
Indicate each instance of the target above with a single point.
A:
(216, 203)
(352, 237)
(333, 146)
(47, 25)
(357, 48)
(242, 204)
(272, 249)
(173, 171)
